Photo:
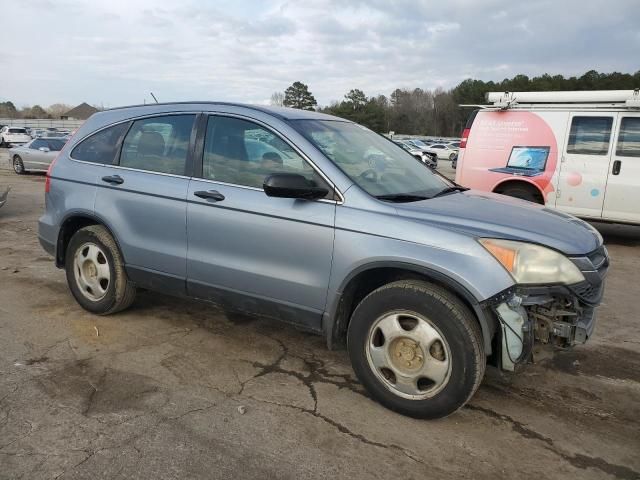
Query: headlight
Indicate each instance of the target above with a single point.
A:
(532, 264)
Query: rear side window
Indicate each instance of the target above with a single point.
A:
(100, 147)
(629, 138)
(158, 144)
(590, 135)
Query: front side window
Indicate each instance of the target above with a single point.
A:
(100, 147)
(240, 152)
(629, 138)
(590, 135)
(158, 144)
(377, 165)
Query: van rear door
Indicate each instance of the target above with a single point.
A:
(622, 199)
(585, 164)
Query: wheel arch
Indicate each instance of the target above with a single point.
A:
(73, 222)
(366, 278)
(527, 183)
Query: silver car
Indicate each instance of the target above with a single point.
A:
(321, 223)
(35, 155)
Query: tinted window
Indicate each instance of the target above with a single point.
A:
(17, 130)
(243, 153)
(629, 138)
(158, 144)
(36, 144)
(590, 135)
(55, 145)
(100, 147)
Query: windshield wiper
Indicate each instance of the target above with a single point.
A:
(401, 197)
(448, 190)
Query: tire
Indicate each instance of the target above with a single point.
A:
(95, 272)
(2, 145)
(455, 349)
(18, 165)
(452, 156)
(522, 192)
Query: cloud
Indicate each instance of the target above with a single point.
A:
(117, 52)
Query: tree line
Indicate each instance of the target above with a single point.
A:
(9, 110)
(437, 112)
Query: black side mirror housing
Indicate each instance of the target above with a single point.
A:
(292, 185)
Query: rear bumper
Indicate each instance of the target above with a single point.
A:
(48, 246)
(47, 234)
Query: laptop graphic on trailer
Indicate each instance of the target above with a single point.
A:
(525, 161)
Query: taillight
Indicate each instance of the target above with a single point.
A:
(47, 181)
(465, 136)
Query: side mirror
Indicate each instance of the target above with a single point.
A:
(44, 149)
(292, 185)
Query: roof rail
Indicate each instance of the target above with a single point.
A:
(621, 98)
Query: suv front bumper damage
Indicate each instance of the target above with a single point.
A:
(556, 315)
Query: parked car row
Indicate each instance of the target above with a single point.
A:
(442, 150)
(428, 158)
(10, 136)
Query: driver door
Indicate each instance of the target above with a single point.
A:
(249, 252)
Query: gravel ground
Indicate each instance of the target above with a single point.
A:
(175, 389)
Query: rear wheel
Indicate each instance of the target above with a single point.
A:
(452, 156)
(18, 166)
(416, 348)
(95, 272)
(523, 192)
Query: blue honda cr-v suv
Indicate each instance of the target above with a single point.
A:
(320, 222)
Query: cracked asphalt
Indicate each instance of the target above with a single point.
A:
(155, 392)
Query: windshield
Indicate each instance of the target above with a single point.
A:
(376, 164)
(17, 130)
(419, 143)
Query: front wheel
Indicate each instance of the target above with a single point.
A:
(18, 166)
(95, 272)
(416, 348)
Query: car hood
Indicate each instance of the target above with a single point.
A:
(484, 214)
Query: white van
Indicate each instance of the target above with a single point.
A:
(578, 151)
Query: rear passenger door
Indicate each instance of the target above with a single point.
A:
(622, 200)
(248, 251)
(143, 199)
(585, 164)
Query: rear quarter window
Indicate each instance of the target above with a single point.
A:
(101, 147)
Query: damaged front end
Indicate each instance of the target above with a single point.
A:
(554, 316)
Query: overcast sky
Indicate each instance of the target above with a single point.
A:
(116, 52)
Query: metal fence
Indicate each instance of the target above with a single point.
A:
(41, 123)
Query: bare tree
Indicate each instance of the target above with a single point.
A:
(277, 99)
(58, 109)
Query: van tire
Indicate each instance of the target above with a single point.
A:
(452, 320)
(120, 292)
(523, 192)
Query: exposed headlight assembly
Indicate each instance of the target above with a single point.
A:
(532, 264)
